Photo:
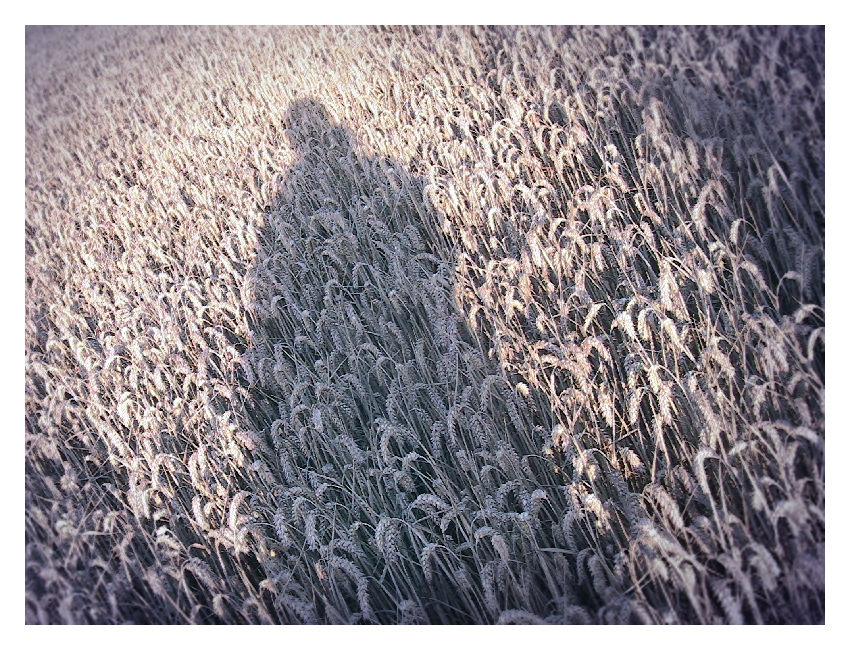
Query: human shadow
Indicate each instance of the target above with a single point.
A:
(365, 383)
(343, 228)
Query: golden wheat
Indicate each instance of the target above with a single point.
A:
(312, 312)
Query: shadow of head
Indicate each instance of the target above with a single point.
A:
(312, 134)
(332, 171)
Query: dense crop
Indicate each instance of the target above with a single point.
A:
(425, 325)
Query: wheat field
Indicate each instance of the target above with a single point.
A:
(424, 325)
